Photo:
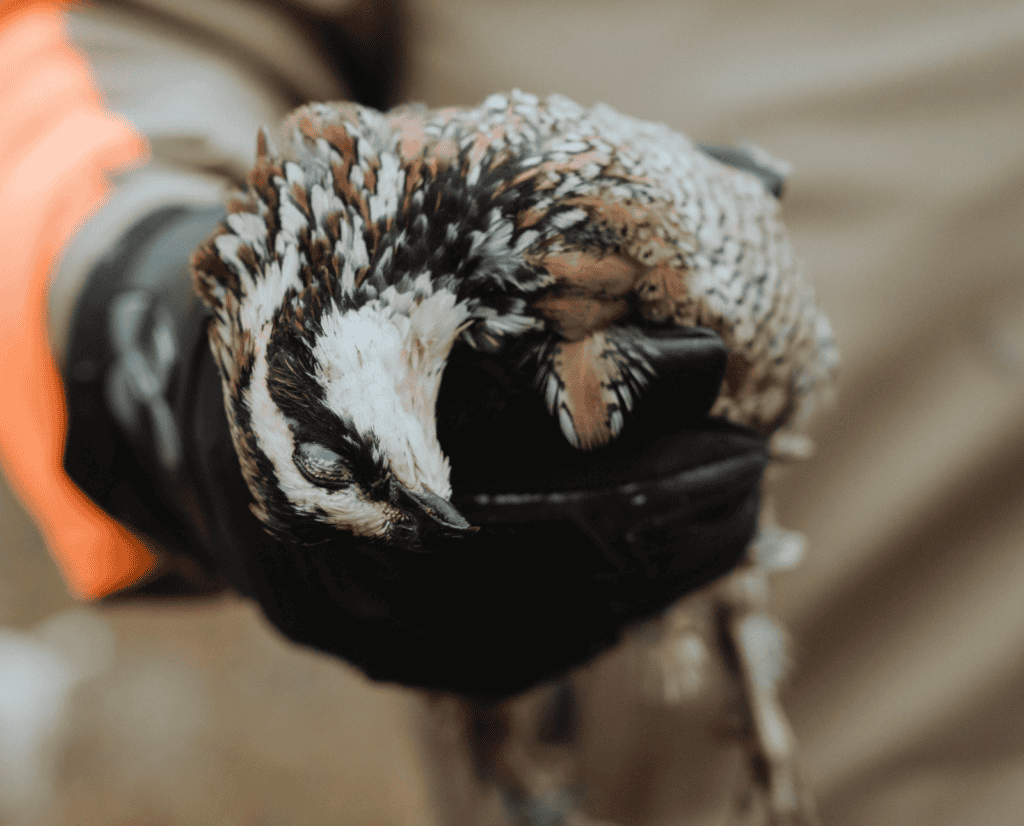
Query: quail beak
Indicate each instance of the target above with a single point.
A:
(430, 516)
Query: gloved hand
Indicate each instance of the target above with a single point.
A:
(574, 546)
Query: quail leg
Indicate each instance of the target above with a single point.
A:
(756, 644)
(508, 764)
(526, 748)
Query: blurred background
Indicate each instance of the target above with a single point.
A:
(903, 121)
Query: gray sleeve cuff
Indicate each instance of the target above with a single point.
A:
(136, 195)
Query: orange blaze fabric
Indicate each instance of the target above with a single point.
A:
(57, 146)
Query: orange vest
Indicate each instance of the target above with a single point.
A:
(57, 145)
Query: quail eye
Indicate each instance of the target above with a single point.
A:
(322, 466)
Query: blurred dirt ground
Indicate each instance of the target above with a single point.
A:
(191, 714)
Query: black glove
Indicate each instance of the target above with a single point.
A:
(573, 546)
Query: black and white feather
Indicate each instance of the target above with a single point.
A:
(368, 243)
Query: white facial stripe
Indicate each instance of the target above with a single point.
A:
(345, 508)
(382, 370)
